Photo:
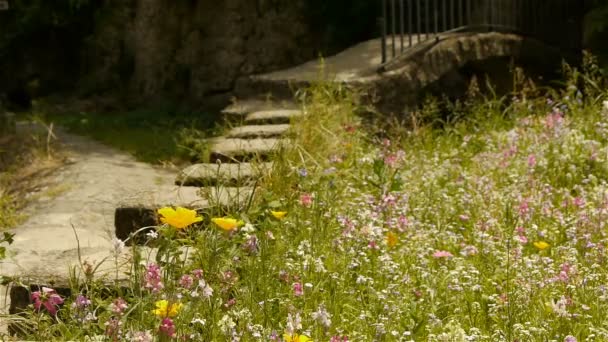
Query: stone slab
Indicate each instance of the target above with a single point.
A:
(239, 150)
(258, 131)
(241, 108)
(227, 174)
(277, 116)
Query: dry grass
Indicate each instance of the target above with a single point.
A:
(26, 162)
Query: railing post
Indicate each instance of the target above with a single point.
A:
(394, 28)
(382, 22)
(418, 21)
(410, 23)
(401, 23)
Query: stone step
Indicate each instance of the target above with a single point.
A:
(276, 116)
(239, 150)
(237, 111)
(226, 174)
(137, 213)
(258, 131)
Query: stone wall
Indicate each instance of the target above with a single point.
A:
(192, 50)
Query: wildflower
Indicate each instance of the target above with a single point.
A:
(118, 306)
(167, 327)
(279, 215)
(391, 239)
(296, 338)
(339, 339)
(322, 316)
(251, 245)
(118, 246)
(541, 245)
(442, 254)
(198, 273)
(179, 218)
(531, 161)
(152, 234)
(165, 309)
(302, 172)
(113, 329)
(206, 289)
(306, 200)
(47, 298)
(140, 336)
(297, 289)
(200, 321)
(152, 278)
(226, 223)
(570, 338)
(81, 302)
(186, 281)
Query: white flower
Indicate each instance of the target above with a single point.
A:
(118, 245)
(200, 321)
(152, 234)
(322, 316)
(248, 228)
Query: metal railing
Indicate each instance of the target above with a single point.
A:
(405, 23)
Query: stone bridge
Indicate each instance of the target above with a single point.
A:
(399, 83)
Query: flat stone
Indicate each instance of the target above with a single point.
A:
(243, 107)
(227, 174)
(278, 116)
(258, 131)
(238, 150)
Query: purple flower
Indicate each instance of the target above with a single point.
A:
(81, 302)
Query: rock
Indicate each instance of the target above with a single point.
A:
(277, 116)
(227, 174)
(258, 131)
(238, 150)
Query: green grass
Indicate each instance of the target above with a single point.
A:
(151, 136)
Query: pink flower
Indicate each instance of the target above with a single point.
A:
(186, 281)
(531, 161)
(167, 327)
(298, 290)
(442, 254)
(153, 278)
(118, 306)
(306, 200)
(339, 339)
(198, 273)
(47, 298)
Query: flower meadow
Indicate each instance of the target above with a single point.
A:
(491, 228)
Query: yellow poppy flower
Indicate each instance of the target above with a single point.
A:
(296, 338)
(227, 223)
(391, 239)
(164, 309)
(541, 245)
(278, 214)
(179, 218)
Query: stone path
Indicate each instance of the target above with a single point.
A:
(108, 194)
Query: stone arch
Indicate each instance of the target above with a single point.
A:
(398, 83)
